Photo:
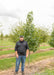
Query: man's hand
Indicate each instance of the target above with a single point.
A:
(26, 55)
(27, 52)
(17, 56)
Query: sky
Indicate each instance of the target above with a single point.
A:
(13, 11)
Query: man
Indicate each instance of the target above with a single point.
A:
(21, 52)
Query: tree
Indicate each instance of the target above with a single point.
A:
(28, 30)
(30, 34)
(51, 42)
(1, 36)
(6, 36)
(16, 32)
(43, 34)
(1, 33)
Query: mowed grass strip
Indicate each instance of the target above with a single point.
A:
(12, 51)
(44, 47)
(42, 55)
(6, 52)
(9, 62)
(6, 47)
(6, 42)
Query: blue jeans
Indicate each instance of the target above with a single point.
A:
(22, 59)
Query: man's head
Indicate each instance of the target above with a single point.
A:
(21, 38)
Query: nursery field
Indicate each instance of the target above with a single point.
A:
(41, 61)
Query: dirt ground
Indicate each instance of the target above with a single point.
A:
(36, 67)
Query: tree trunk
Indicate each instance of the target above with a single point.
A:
(29, 60)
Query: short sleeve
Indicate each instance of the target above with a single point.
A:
(16, 47)
(27, 47)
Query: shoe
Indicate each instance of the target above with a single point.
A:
(22, 72)
(16, 73)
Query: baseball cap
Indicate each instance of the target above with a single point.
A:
(21, 36)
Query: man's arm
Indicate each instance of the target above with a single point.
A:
(27, 51)
(16, 54)
(16, 50)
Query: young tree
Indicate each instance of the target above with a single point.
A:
(51, 42)
(29, 31)
(1, 36)
(6, 36)
(43, 35)
(30, 34)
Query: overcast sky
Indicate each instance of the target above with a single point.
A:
(12, 11)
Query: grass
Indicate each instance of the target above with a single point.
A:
(42, 55)
(6, 42)
(12, 46)
(9, 62)
(6, 63)
(12, 51)
(6, 47)
(44, 47)
(6, 52)
(48, 72)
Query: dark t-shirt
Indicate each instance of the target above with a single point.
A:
(21, 47)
